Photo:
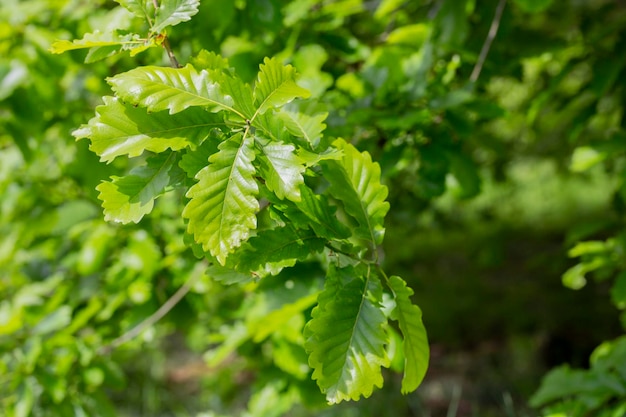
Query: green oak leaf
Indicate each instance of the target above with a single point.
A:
(240, 92)
(282, 170)
(122, 129)
(194, 160)
(143, 9)
(276, 85)
(346, 336)
(102, 45)
(284, 245)
(302, 125)
(127, 199)
(355, 180)
(321, 215)
(415, 344)
(271, 127)
(222, 207)
(173, 89)
(173, 12)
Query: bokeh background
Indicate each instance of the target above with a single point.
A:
(506, 179)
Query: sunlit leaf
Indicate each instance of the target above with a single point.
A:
(276, 85)
(127, 199)
(122, 129)
(96, 39)
(173, 12)
(222, 208)
(173, 89)
(144, 9)
(282, 170)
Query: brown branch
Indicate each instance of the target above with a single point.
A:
(493, 30)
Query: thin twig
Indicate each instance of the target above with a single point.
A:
(170, 54)
(493, 30)
(166, 43)
(156, 316)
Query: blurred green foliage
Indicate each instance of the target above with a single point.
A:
(491, 183)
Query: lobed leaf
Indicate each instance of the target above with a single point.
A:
(194, 160)
(322, 215)
(415, 345)
(282, 170)
(238, 91)
(304, 126)
(209, 60)
(355, 180)
(122, 129)
(276, 85)
(271, 127)
(173, 89)
(346, 338)
(127, 199)
(102, 45)
(222, 205)
(284, 245)
(173, 12)
(143, 9)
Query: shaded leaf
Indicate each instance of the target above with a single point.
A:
(227, 275)
(276, 85)
(282, 170)
(240, 92)
(194, 160)
(222, 208)
(173, 12)
(415, 345)
(355, 180)
(283, 246)
(322, 215)
(271, 127)
(346, 337)
(127, 199)
(121, 129)
(173, 89)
